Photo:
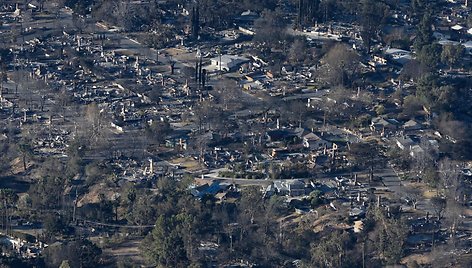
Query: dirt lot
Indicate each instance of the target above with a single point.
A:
(126, 251)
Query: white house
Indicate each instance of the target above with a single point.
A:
(399, 55)
(315, 142)
(228, 62)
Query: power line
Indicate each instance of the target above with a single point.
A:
(116, 225)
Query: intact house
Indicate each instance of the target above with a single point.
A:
(399, 56)
(290, 188)
(228, 62)
(315, 142)
(412, 126)
(405, 143)
(413, 146)
(211, 189)
(383, 126)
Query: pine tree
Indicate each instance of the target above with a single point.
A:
(195, 21)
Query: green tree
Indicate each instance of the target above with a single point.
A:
(48, 192)
(380, 109)
(424, 34)
(452, 54)
(195, 21)
(315, 198)
(418, 5)
(167, 244)
(389, 237)
(142, 210)
(411, 106)
(65, 264)
(372, 17)
(54, 224)
(78, 253)
(429, 55)
(425, 89)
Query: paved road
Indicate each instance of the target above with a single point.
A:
(213, 175)
(242, 182)
(391, 180)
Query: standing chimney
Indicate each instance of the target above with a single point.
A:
(204, 77)
(151, 166)
(136, 64)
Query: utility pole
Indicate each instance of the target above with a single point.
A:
(6, 215)
(198, 67)
(219, 55)
(74, 218)
(300, 4)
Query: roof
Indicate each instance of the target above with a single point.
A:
(416, 149)
(356, 212)
(299, 132)
(205, 189)
(457, 27)
(280, 186)
(296, 184)
(412, 124)
(285, 185)
(399, 55)
(312, 137)
(249, 13)
(467, 45)
(384, 122)
(279, 134)
(404, 142)
(230, 59)
(397, 51)
(448, 42)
